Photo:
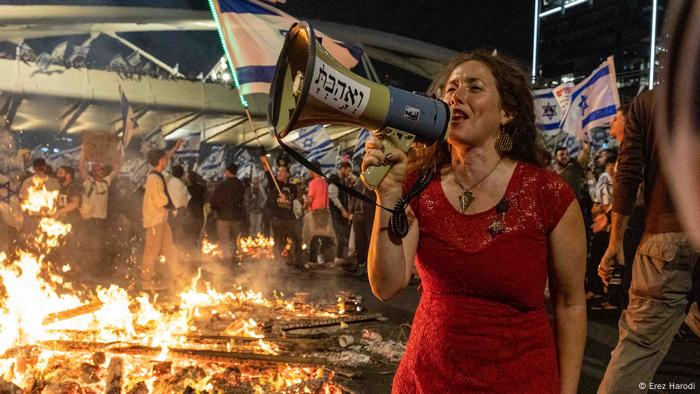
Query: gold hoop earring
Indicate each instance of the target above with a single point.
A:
(504, 142)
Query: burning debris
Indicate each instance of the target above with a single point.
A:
(258, 247)
(54, 339)
(249, 248)
(210, 249)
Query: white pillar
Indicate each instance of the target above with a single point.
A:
(652, 48)
(535, 38)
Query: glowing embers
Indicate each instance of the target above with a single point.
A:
(210, 249)
(258, 247)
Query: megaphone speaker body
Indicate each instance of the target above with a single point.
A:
(310, 87)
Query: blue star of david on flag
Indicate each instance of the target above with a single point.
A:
(308, 142)
(549, 111)
(583, 104)
(594, 102)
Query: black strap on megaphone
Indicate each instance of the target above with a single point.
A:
(398, 223)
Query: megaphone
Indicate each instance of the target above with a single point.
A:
(310, 87)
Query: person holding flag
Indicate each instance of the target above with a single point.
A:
(281, 194)
(594, 102)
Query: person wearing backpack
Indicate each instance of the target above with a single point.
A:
(157, 208)
(227, 201)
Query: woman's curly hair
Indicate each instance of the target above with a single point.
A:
(516, 99)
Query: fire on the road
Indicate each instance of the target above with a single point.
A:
(54, 335)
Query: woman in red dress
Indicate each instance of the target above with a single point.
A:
(490, 229)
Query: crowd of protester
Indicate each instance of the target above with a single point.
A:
(312, 221)
(118, 232)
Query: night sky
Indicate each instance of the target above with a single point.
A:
(455, 24)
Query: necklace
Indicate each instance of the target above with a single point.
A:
(466, 198)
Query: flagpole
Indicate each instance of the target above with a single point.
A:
(252, 126)
(266, 165)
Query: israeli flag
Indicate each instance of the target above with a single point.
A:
(315, 144)
(189, 148)
(359, 152)
(253, 32)
(43, 61)
(129, 123)
(593, 102)
(135, 171)
(548, 113)
(245, 162)
(572, 144)
(153, 140)
(212, 168)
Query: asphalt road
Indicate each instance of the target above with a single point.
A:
(681, 365)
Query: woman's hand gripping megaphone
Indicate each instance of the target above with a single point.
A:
(382, 155)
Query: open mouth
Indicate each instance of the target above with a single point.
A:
(458, 115)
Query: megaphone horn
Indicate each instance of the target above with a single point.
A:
(310, 87)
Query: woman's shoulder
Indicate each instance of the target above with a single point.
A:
(543, 180)
(542, 173)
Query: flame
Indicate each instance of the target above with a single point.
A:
(29, 300)
(269, 348)
(39, 200)
(31, 296)
(258, 247)
(210, 249)
(51, 231)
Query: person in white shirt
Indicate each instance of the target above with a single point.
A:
(157, 205)
(601, 194)
(177, 188)
(96, 183)
(601, 190)
(97, 179)
(180, 197)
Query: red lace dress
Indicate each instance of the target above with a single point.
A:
(480, 326)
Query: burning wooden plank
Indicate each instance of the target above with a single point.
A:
(299, 343)
(192, 354)
(314, 323)
(74, 312)
(115, 376)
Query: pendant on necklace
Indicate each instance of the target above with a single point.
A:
(496, 228)
(465, 200)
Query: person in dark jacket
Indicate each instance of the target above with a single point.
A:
(227, 202)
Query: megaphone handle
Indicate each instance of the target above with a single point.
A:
(392, 140)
